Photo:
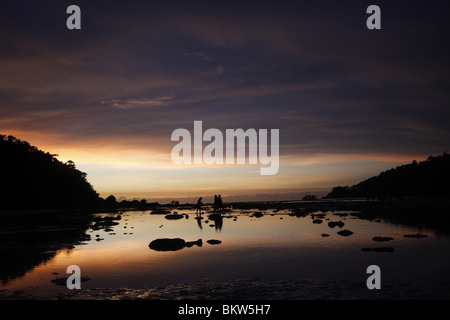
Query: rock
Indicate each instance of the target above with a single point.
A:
(333, 224)
(341, 214)
(198, 243)
(345, 233)
(258, 214)
(381, 239)
(317, 221)
(298, 212)
(213, 241)
(174, 244)
(166, 244)
(104, 223)
(174, 216)
(417, 235)
(325, 235)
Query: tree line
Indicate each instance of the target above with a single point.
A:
(426, 178)
(31, 178)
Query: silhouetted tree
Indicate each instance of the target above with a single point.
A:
(31, 178)
(426, 178)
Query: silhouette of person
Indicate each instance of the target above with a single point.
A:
(199, 206)
(216, 203)
(219, 203)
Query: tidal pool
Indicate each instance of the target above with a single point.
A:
(271, 248)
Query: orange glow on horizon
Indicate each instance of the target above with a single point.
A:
(130, 169)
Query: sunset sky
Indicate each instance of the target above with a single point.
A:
(349, 102)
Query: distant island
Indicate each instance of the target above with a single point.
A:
(428, 178)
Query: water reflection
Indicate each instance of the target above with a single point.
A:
(199, 222)
(213, 220)
(266, 245)
(32, 239)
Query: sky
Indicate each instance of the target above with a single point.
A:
(349, 102)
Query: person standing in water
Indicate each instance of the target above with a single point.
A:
(219, 203)
(199, 206)
(216, 204)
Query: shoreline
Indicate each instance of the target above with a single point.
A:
(254, 289)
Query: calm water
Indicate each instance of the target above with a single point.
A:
(270, 248)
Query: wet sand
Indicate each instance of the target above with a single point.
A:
(253, 289)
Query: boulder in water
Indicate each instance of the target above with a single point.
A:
(172, 244)
(174, 216)
(333, 224)
(166, 244)
(381, 239)
(213, 241)
(345, 233)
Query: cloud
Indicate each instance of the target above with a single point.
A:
(201, 55)
(319, 76)
(217, 71)
(134, 103)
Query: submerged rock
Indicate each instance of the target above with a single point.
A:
(417, 235)
(198, 243)
(333, 224)
(381, 239)
(325, 235)
(213, 241)
(341, 214)
(345, 233)
(105, 222)
(174, 216)
(298, 212)
(172, 244)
